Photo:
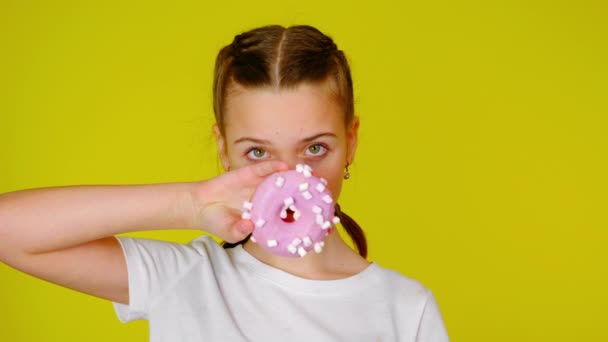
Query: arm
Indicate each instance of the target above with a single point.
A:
(65, 234)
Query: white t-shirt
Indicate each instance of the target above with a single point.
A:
(203, 292)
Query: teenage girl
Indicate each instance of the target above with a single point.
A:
(282, 96)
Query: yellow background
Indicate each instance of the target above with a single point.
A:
(482, 162)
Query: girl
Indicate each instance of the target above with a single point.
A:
(282, 96)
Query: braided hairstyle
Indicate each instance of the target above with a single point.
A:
(282, 58)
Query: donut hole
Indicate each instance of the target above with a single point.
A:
(289, 217)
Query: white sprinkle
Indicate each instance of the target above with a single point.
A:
(246, 215)
(301, 251)
(322, 243)
(260, 223)
(303, 186)
(307, 173)
(247, 205)
(323, 180)
(327, 199)
(319, 219)
(296, 215)
(293, 208)
(292, 249)
(320, 187)
(335, 220)
(307, 195)
(288, 201)
(316, 209)
(318, 248)
(326, 225)
(299, 167)
(279, 182)
(296, 242)
(272, 243)
(307, 241)
(307, 167)
(283, 214)
(252, 239)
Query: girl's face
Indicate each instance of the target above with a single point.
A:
(301, 125)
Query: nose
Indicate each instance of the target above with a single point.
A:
(290, 159)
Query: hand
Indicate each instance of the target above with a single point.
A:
(218, 202)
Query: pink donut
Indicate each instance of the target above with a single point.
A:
(292, 211)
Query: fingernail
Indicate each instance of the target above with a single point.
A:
(283, 166)
(242, 228)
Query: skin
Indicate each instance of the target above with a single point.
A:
(65, 235)
(300, 125)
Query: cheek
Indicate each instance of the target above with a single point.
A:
(334, 180)
(235, 158)
(335, 186)
(331, 169)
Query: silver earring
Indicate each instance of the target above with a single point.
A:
(346, 173)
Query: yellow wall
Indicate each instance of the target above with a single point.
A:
(482, 163)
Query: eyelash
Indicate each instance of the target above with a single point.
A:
(254, 148)
(323, 146)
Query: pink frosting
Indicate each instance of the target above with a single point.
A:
(297, 233)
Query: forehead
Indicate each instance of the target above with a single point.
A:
(305, 109)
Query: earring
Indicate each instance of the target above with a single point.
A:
(346, 173)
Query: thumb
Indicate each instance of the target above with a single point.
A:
(240, 230)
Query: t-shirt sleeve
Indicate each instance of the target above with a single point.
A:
(432, 328)
(153, 266)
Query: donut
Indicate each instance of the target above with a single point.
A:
(293, 212)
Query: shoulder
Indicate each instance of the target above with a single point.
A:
(406, 295)
(411, 300)
(172, 256)
(156, 268)
(206, 246)
(400, 285)
(202, 245)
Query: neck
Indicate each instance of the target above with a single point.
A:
(336, 261)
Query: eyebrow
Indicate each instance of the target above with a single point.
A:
(266, 142)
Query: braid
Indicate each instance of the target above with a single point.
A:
(354, 231)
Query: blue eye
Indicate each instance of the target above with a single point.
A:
(316, 150)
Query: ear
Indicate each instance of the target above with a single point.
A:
(221, 147)
(352, 136)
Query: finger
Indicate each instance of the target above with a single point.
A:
(264, 169)
(242, 228)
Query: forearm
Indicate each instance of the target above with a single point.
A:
(48, 219)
